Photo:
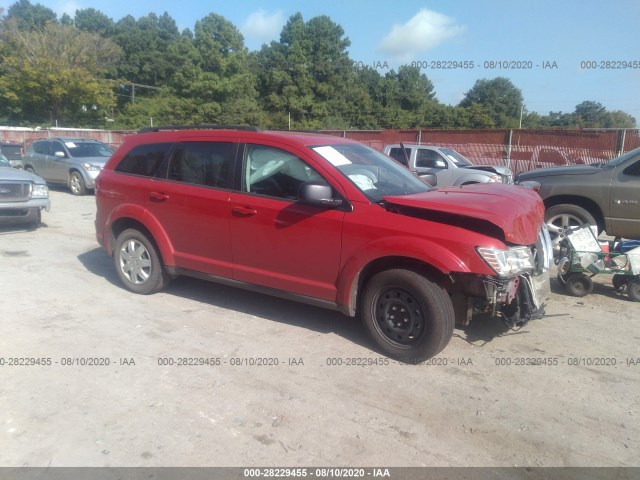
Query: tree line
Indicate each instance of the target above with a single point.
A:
(91, 71)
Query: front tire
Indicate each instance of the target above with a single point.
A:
(138, 264)
(76, 184)
(409, 317)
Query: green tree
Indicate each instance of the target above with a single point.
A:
(590, 114)
(620, 119)
(54, 74)
(308, 74)
(30, 17)
(92, 20)
(145, 43)
(501, 99)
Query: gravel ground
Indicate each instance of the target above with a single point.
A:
(561, 391)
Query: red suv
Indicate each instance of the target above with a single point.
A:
(322, 220)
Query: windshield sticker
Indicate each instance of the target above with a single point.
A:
(334, 157)
(70, 144)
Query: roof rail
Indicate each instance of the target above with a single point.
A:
(246, 128)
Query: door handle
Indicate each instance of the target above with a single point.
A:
(158, 197)
(244, 211)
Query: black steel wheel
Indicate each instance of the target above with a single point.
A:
(409, 317)
(138, 264)
(578, 284)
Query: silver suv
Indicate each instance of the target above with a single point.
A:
(75, 162)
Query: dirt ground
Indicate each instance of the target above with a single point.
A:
(278, 383)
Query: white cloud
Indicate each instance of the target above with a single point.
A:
(263, 26)
(69, 7)
(424, 31)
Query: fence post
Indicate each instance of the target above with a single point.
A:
(621, 141)
(419, 137)
(508, 162)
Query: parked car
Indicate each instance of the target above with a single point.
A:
(606, 195)
(449, 166)
(326, 221)
(12, 152)
(75, 162)
(22, 195)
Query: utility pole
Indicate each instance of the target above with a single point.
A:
(133, 89)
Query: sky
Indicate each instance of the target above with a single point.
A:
(557, 52)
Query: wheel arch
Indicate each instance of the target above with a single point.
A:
(158, 239)
(589, 205)
(352, 300)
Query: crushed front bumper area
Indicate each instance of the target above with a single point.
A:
(516, 300)
(519, 299)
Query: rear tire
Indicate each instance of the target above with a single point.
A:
(138, 264)
(409, 317)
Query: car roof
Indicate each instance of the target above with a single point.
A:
(304, 139)
(415, 145)
(72, 139)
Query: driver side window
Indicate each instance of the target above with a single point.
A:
(274, 172)
(429, 159)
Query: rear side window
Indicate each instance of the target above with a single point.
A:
(41, 147)
(144, 160)
(203, 163)
(399, 155)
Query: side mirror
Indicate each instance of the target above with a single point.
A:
(318, 193)
(441, 164)
(429, 178)
(59, 154)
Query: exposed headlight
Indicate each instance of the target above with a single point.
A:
(39, 191)
(506, 263)
(91, 168)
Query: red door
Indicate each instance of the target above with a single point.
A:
(276, 241)
(192, 205)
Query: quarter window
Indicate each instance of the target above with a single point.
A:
(275, 172)
(203, 163)
(144, 160)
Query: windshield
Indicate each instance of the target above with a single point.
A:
(373, 173)
(456, 158)
(88, 149)
(617, 161)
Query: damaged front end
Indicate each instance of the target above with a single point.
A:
(518, 291)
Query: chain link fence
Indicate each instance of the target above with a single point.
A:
(521, 150)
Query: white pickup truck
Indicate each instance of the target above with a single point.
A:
(449, 167)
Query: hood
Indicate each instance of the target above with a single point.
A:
(553, 171)
(14, 174)
(517, 211)
(505, 171)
